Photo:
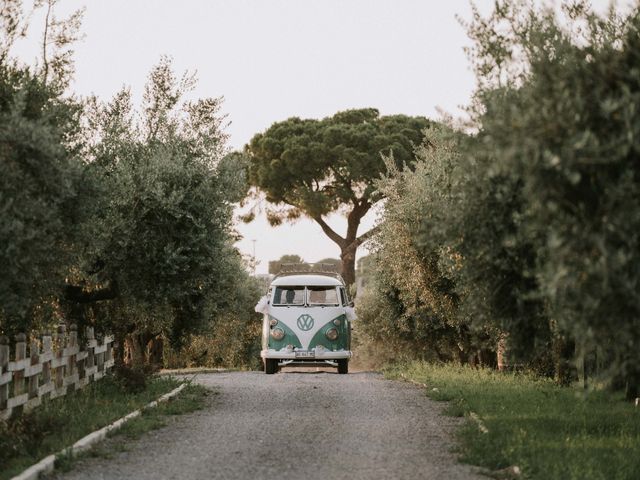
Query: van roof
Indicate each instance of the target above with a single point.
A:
(306, 279)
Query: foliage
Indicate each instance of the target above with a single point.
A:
(316, 167)
(40, 183)
(473, 220)
(44, 182)
(564, 127)
(232, 173)
(233, 339)
(131, 379)
(364, 267)
(545, 430)
(276, 265)
(334, 262)
(193, 397)
(162, 235)
(531, 222)
(26, 439)
(55, 65)
(109, 216)
(12, 26)
(57, 40)
(233, 342)
(411, 297)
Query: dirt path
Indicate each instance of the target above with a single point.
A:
(311, 425)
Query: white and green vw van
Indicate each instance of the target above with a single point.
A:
(307, 321)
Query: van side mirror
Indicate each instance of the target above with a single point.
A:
(351, 304)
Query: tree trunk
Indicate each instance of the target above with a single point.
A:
(564, 352)
(143, 349)
(488, 358)
(632, 390)
(135, 346)
(348, 257)
(133, 350)
(350, 242)
(77, 293)
(156, 351)
(501, 353)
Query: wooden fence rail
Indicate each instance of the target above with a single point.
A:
(55, 365)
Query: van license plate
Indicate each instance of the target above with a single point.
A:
(305, 354)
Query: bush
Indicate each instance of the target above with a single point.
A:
(131, 379)
(526, 230)
(40, 182)
(557, 112)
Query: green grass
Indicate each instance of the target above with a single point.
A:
(59, 423)
(190, 399)
(548, 431)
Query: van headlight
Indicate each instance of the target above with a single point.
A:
(277, 334)
(332, 334)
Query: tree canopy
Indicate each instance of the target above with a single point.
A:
(563, 130)
(162, 235)
(315, 167)
(276, 265)
(40, 183)
(524, 234)
(113, 216)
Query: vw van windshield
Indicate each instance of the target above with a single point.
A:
(288, 296)
(322, 296)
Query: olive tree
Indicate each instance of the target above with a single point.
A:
(533, 218)
(414, 295)
(40, 182)
(557, 109)
(111, 216)
(160, 233)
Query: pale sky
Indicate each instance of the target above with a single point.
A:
(273, 59)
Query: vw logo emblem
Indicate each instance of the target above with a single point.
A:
(305, 322)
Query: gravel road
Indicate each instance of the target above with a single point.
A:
(294, 425)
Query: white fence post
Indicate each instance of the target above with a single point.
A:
(5, 375)
(18, 370)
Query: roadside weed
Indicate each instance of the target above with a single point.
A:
(56, 424)
(548, 431)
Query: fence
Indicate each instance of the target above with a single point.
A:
(55, 365)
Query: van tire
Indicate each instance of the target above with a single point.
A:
(270, 366)
(343, 366)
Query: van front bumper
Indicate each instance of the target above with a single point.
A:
(302, 355)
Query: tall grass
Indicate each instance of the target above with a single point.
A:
(548, 431)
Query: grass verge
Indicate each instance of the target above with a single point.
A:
(58, 423)
(549, 432)
(190, 399)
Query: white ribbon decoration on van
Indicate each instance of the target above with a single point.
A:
(262, 306)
